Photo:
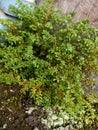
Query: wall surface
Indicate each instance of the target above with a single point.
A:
(86, 9)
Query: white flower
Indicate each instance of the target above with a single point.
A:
(54, 117)
(44, 121)
(58, 122)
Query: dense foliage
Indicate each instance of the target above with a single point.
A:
(52, 58)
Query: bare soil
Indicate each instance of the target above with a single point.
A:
(13, 107)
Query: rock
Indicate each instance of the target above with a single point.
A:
(4, 5)
(85, 9)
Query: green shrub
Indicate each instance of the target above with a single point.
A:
(51, 57)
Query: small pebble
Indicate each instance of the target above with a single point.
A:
(36, 128)
(29, 111)
(4, 126)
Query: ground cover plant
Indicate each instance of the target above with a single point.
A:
(52, 58)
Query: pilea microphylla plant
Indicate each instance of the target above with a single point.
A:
(52, 58)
